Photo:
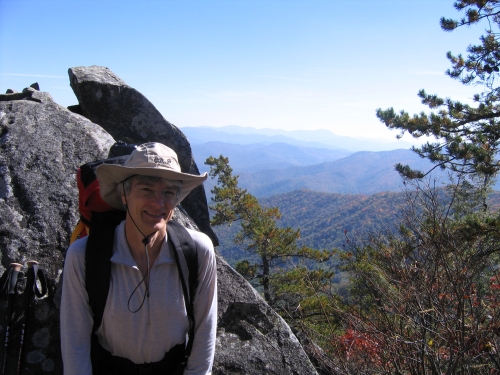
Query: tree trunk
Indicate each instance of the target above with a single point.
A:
(265, 278)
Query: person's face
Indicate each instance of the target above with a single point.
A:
(151, 203)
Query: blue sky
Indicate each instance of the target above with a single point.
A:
(316, 64)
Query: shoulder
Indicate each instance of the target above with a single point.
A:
(207, 267)
(76, 250)
(74, 262)
(204, 248)
(203, 245)
(201, 240)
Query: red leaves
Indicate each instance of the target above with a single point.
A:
(355, 345)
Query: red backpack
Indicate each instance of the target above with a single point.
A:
(89, 197)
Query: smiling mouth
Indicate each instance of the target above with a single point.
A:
(159, 215)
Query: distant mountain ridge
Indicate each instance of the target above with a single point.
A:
(360, 173)
(266, 169)
(256, 157)
(306, 138)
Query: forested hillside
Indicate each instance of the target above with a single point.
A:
(323, 217)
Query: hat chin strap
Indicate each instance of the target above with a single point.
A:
(145, 241)
(147, 238)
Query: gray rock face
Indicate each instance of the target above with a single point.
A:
(127, 115)
(251, 337)
(41, 146)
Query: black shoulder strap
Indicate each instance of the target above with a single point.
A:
(186, 258)
(98, 271)
(97, 260)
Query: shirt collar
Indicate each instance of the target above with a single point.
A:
(122, 255)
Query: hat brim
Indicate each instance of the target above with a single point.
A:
(110, 175)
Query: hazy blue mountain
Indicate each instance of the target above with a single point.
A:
(256, 157)
(360, 173)
(267, 169)
(306, 138)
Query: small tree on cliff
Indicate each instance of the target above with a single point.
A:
(467, 135)
(261, 235)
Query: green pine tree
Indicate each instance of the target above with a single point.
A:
(467, 135)
(284, 282)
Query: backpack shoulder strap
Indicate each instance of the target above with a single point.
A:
(98, 271)
(97, 260)
(186, 258)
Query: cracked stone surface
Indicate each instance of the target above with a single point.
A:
(251, 337)
(41, 146)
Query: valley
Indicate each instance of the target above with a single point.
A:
(320, 190)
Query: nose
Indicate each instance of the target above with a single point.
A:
(158, 197)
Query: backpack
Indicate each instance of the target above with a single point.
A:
(102, 219)
(89, 198)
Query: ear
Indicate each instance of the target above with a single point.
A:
(124, 201)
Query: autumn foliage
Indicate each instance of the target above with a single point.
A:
(426, 299)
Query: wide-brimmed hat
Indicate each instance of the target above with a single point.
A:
(148, 159)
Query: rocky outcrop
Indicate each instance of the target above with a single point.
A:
(41, 146)
(322, 362)
(129, 116)
(251, 337)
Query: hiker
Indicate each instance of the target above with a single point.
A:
(145, 322)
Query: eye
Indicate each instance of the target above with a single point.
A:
(167, 192)
(147, 192)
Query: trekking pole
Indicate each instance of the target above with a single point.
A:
(9, 288)
(34, 273)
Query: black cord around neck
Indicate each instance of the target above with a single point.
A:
(145, 241)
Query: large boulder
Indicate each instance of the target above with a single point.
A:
(41, 146)
(252, 338)
(129, 116)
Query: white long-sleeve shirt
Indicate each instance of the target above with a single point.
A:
(161, 323)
